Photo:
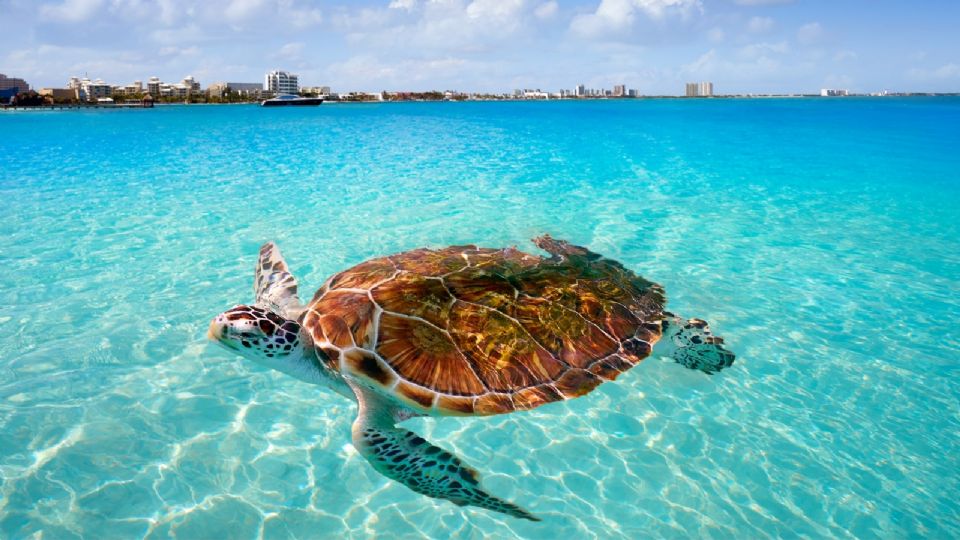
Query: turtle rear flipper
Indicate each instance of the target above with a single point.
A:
(693, 345)
(274, 286)
(411, 460)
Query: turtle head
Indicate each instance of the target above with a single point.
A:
(691, 343)
(259, 335)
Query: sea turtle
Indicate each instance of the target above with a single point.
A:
(459, 331)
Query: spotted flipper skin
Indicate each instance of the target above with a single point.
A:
(406, 457)
(274, 286)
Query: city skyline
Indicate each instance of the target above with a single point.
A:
(743, 46)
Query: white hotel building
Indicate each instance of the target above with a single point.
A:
(281, 82)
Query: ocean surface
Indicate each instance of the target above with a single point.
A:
(820, 237)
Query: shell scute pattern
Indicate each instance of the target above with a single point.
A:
(425, 354)
(501, 351)
(364, 275)
(468, 330)
(415, 295)
(433, 263)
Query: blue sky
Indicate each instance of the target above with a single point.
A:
(492, 45)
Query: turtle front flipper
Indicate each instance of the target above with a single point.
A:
(693, 345)
(274, 286)
(409, 459)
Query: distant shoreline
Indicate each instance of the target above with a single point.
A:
(90, 106)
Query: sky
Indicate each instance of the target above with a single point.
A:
(655, 46)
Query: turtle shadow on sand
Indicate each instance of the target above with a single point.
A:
(459, 331)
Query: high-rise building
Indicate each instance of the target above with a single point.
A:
(702, 89)
(97, 89)
(9, 83)
(10, 87)
(281, 82)
(579, 90)
(619, 90)
(825, 92)
(190, 85)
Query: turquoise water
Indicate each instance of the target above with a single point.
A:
(820, 237)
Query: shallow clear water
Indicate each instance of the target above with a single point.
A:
(821, 238)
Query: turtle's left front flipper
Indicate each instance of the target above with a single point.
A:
(409, 459)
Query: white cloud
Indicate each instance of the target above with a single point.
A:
(454, 26)
(546, 10)
(403, 4)
(239, 10)
(618, 15)
(494, 9)
(809, 33)
(71, 11)
(760, 24)
(299, 17)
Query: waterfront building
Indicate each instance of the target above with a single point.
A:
(833, 92)
(702, 89)
(217, 90)
(318, 90)
(579, 90)
(134, 88)
(247, 89)
(188, 86)
(92, 90)
(59, 95)
(10, 87)
(281, 82)
(76, 85)
(13, 84)
(619, 90)
(221, 89)
(153, 86)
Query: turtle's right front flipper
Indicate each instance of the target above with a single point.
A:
(411, 460)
